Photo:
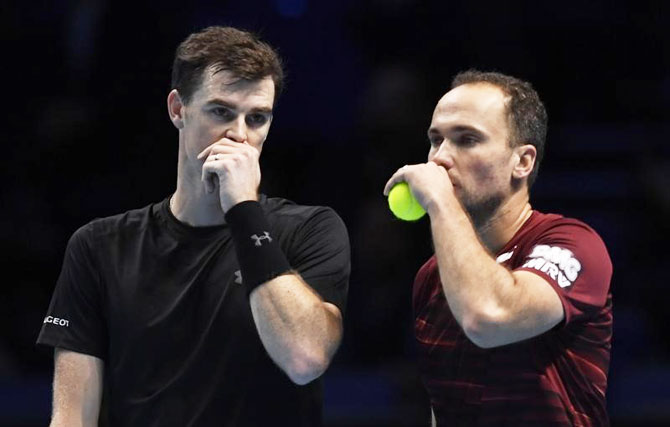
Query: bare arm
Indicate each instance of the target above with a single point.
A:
(493, 305)
(299, 330)
(77, 389)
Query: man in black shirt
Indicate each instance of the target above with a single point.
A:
(217, 306)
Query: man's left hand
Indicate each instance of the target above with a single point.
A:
(233, 167)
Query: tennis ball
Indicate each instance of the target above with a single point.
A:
(403, 204)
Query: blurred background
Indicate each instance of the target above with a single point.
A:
(86, 135)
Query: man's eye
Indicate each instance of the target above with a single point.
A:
(468, 139)
(257, 119)
(222, 112)
(435, 140)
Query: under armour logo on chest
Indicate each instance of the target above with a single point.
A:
(257, 239)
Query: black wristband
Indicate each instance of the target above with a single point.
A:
(258, 253)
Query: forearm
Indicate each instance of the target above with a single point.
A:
(479, 291)
(77, 389)
(70, 420)
(493, 305)
(297, 329)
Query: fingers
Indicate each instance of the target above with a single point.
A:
(223, 158)
(225, 145)
(214, 166)
(397, 177)
(209, 177)
(414, 174)
(210, 183)
(218, 149)
(217, 163)
(221, 142)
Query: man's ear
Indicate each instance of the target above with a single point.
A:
(175, 109)
(524, 156)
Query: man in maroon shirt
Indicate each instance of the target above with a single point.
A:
(513, 315)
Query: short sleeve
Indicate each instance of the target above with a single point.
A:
(75, 318)
(574, 260)
(320, 253)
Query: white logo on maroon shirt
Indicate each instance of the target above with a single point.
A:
(504, 257)
(558, 263)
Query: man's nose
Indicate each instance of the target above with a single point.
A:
(237, 131)
(444, 155)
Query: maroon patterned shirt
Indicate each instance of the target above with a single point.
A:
(556, 378)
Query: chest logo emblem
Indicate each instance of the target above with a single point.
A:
(257, 239)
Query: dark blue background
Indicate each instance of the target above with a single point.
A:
(86, 134)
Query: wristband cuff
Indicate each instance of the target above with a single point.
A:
(258, 253)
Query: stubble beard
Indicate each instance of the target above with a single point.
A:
(482, 210)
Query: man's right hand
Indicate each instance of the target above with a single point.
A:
(429, 182)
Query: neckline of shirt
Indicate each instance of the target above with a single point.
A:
(182, 229)
(527, 225)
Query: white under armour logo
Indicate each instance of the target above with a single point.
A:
(257, 239)
(238, 277)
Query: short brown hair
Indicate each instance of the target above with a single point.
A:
(526, 114)
(224, 48)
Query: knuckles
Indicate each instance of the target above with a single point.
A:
(229, 162)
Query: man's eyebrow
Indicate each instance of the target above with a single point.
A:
(457, 128)
(217, 101)
(221, 102)
(266, 110)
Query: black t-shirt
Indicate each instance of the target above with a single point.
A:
(162, 304)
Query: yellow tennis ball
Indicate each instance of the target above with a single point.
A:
(403, 204)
